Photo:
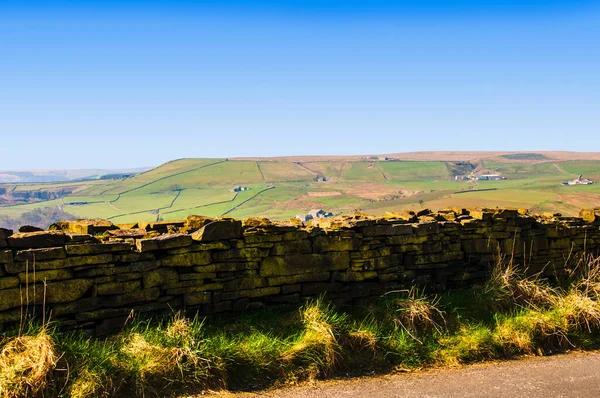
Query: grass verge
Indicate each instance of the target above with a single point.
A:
(511, 315)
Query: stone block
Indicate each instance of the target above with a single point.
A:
(69, 262)
(195, 289)
(36, 240)
(99, 248)
(427, 228)
(257, 238)
(105, 289)
(293, 279)
(326, 243)
(56, 292)
(49, 275)
(350, 276)
(52, 253)
(197, 298)
(258, 292)
(6, 256)
(195, 222)
(163, 242)
(244, 254)
(145, 295)
(187, 259)
(219, 230)
(304, 264)
(475, 246)
(160, 277)
(9, 282)
(292, 247)
(314, 289)
(90, 227)
(244, 283)
(73, 239)
(4, 234)
(388, 230)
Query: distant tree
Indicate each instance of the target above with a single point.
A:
(421, 201)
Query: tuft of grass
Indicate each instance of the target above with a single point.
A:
(317, 349)
(412, 311)
(26, 363)
(508, 286)
(471, 342)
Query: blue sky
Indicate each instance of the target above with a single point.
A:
(129, 83)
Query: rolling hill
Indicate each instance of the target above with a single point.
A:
(280, 188)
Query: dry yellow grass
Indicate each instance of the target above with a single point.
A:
(25, 364)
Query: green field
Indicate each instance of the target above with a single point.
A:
(204, 186)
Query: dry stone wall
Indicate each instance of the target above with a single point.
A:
(92, 274)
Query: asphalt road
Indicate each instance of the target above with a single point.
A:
(572, 375)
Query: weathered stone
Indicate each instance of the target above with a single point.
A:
(197, 276)
(195, 289)
(4, 234)
(258, 238)
(36, 240)
(335, 243)
(50, 275)
(9, 282)
(292, 247)
(480, 246)
(200, 246)
(388, 230)
(30, 228)
(90, 227)
(244, 254)
(350, 276)
(68, 262)
(304, 263)
(194, 222)
(590, 215)
(163, 227)
(85, 249)
(219, 230)
(428, 228)
(293, 279)
(133, 233)
(79, 238)
(313, 289)
(163, 242)
(258, 292)
(40, 254)
(67, 291)
(197, 298)
(160, 277)
(112, 269)
(245, 283)
(102, 314)
(118, 287)
(187, 259)
(6, 256)
(144, 295)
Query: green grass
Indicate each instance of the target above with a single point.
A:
(406, 171)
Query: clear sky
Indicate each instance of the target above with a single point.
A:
(135, 83)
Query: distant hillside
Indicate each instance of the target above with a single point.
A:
(281, 188)
(25, 176)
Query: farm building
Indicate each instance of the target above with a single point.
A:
(578, 181)
(239, 188)
(490, 177)
(314, 214)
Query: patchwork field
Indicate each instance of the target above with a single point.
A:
(283, 187)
